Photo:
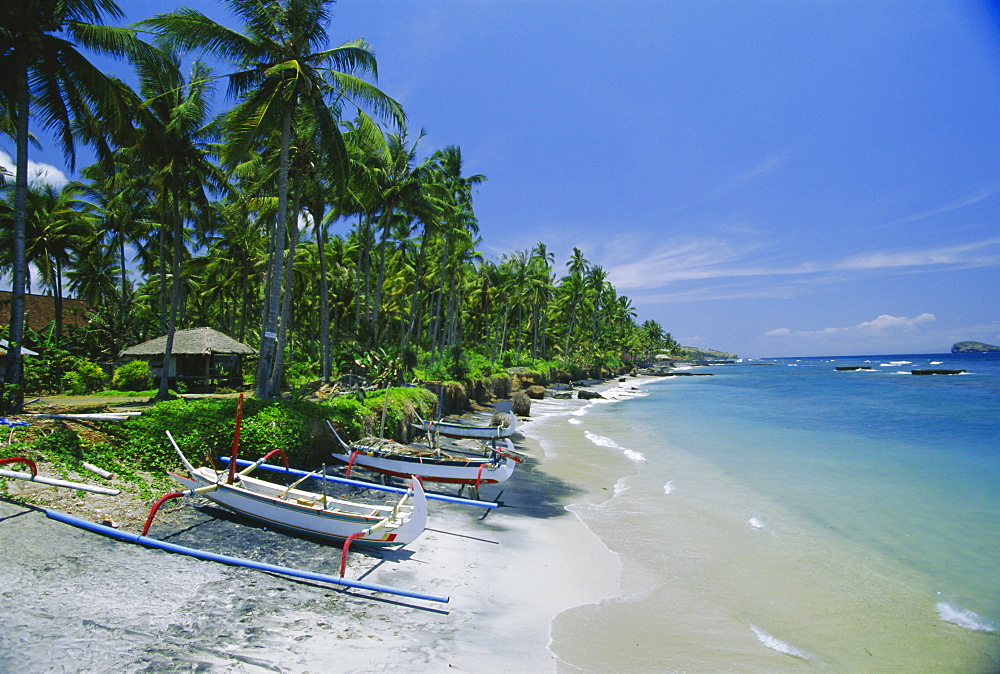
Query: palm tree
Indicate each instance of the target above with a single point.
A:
(574, 282)
(171, 141)
(457, 221)
(282, 67)
(58, 224)
(539, 293)
(402, 198)
(46, 75)
(93, 273)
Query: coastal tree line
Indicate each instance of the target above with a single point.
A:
(305, 218)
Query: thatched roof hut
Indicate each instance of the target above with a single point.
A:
(193, 342)
(201, 357)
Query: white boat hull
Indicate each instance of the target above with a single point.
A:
(472, 471)
(303, 512)
(452, 430)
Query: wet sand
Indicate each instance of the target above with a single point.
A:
(103, 605)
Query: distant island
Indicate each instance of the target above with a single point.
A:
(693, 353)
(973, 347)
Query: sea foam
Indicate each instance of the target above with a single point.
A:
(779, 645)
(964, 618)
(602, 441)
(756, 523)
(668, 488)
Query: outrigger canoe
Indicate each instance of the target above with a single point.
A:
(314, 514)
(434, 465)
(305, 512)
(450, 429)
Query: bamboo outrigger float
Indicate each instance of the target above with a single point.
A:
(236, 561)
(33, 476)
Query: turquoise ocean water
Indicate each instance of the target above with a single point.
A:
(781, 514)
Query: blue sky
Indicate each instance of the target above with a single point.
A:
(767, 178)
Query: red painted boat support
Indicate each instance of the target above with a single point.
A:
(350, 464)
(347, 547)
(236, 439)
(28, 462)
(479, 478)
(232, 470)
(156, 506)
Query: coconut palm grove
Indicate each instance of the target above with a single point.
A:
(253, 178)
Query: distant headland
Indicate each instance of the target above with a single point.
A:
(973, 347)
(693, 353)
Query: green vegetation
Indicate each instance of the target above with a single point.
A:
(133, 376)
(138, 450)
(86, 377)
(692, 353)
(386, 276)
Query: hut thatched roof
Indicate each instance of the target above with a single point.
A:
(196, 341)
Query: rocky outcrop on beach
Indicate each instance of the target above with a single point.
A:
(974, 347)
(521, 403)
(535, 392)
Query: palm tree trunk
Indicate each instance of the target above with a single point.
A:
(436, 322)
(57, 300)
(274, 385)
(381, 276)
(534, 330)
(162, 262)
(13, 396)
(569, 332)
(416, 292)
(269, 331)
(175, 300)
(324, 296)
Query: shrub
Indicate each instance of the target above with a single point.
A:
(133, 376)
(86, 377)
(205, 428)
(398, 412)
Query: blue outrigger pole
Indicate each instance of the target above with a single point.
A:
(234, 561)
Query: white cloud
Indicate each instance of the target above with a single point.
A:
(885, 324)
(716, 258)
(964, 255)
(967, 200)
(37, 171)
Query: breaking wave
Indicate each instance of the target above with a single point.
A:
(779, 645)
(964, 618)
(602, 441)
